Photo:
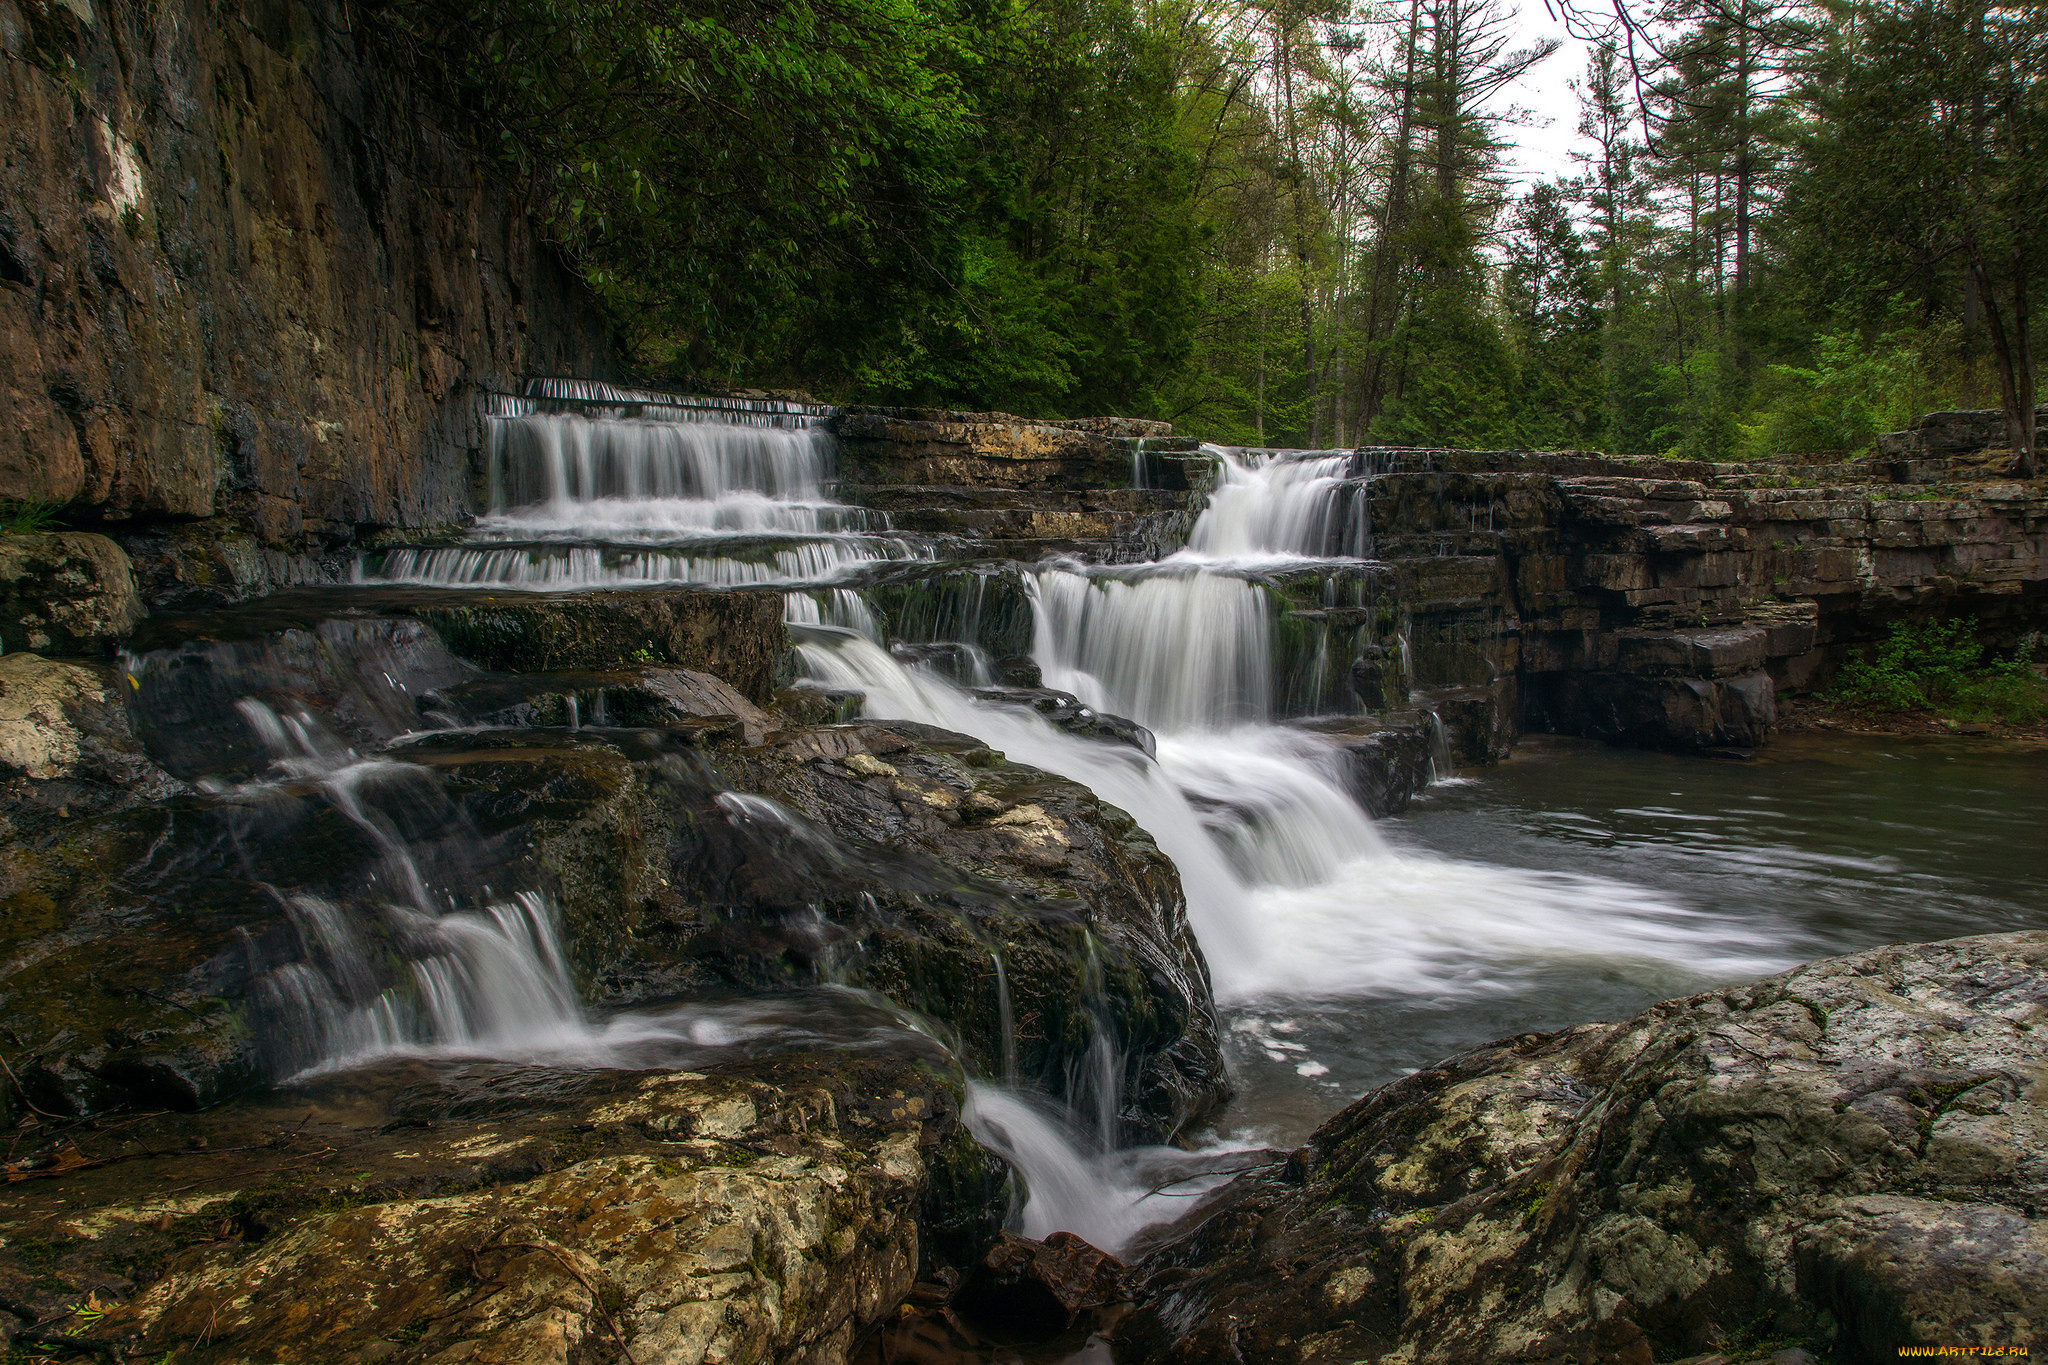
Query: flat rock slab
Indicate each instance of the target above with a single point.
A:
(735, 634)
(1850, 1158)
(485, 1213)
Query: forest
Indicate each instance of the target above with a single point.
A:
(1789, 226)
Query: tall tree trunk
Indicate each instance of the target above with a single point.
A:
(1380, 305)
(2014, 356)
(1283, 41)
(1745, 186)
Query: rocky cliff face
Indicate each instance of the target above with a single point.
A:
(248, 295)
(1666, 603)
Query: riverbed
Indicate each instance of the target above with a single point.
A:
(1822, 844)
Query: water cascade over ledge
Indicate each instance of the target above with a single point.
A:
(591, 486)
(1182, 691)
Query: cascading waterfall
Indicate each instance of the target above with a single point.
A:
(629, 491)
(488, 980)
(1284, 504)
(1293, 894)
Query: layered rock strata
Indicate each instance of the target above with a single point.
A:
(249, 295)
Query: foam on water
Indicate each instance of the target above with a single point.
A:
(1290, 889)
(632, 492)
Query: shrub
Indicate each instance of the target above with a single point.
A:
(1941, 666)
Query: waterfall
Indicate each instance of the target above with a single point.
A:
(416, 973)
(1067, 1182)
(1283, 504)
(1172, 648)
(634, 490)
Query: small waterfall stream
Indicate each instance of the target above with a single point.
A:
(1292, 892)
(594, 487)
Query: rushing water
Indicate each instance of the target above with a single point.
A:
(489, 978)
(1823, 845)
(1343, 952)
(623, 494)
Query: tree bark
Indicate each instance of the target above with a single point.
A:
(2015, 359)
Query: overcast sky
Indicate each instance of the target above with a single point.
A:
(1544, 146)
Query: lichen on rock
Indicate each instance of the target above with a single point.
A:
(1849, 1155)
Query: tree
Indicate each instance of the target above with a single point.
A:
(1929, 159)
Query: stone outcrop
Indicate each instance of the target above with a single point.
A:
(244, 281)
(1942, 444)
(766, 1211)
(159, 953)
(65, 592)
(1666, 603)
(1847, 1156)
(67, 745)
(734, 634)
(1118, 489)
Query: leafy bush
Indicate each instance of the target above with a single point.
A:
(1854, 390)
(1941, 666)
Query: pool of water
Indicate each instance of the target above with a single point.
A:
(1822, 845)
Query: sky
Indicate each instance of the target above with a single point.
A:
(1543, 145)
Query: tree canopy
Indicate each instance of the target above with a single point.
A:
(1287, 222)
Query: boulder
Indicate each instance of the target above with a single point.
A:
(67, 744)
(1030, 1289)
(1655, 712)
(1848, 1158)
(67, 592)
(178, 952)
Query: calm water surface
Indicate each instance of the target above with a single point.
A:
(1824, 845)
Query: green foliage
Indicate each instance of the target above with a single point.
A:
(28, 517)
(1275, 224)
(1853, 390)
(1941, 666)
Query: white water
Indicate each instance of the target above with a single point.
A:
(1290, 890)
(1271, 506)
(1106, 1197)
(667, 495)
(1292, 893)
(489, 980)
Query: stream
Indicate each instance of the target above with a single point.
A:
(1567, 884)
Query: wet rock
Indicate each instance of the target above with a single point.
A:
(67, 592)
(1843, 1156)
(180, 952)
(1030, 1289)
(956, 663)
(635, 697)
(1383, 764)
(1376, 678)
(1656, 712)
(736, 634)
(1066, 711)
(766, 1210)
(68, 749)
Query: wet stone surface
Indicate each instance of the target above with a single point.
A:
(412, 1213)
(1846, 1158)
